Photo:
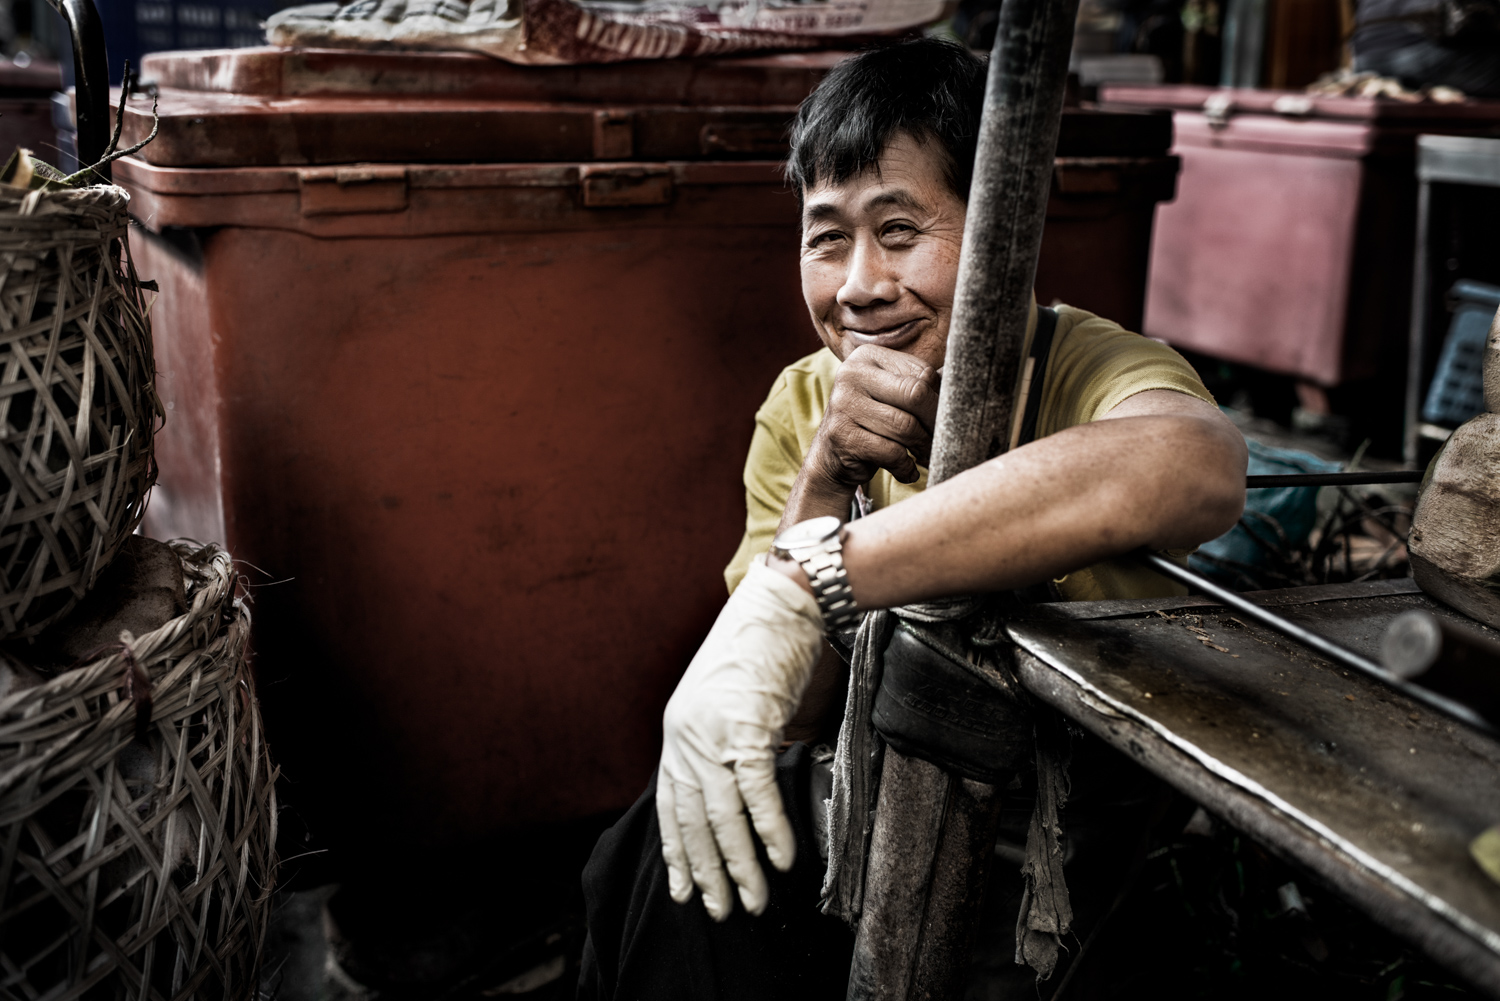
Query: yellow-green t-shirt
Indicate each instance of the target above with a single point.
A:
(1095, 365)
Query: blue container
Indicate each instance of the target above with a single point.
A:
(1457, 390)
(1279, 517)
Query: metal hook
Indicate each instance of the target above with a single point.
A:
(91, 78)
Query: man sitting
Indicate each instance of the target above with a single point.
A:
(1130, 451)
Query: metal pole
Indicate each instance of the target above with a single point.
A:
(1332, 479)
(1416, 352)
(1333, 651)
(923, 888)
(934, 832)
(1003, 232)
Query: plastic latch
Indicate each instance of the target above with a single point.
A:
(1293, 105)
(614, 135)
(1218, 108)
(625, 185)
(352, 190)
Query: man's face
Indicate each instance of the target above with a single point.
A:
(880, 255)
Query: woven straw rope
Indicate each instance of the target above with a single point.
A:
(140, 870)
(77, 401)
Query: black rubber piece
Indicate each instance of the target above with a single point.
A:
(1332, 479)
(932, 706)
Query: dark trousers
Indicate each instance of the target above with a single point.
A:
(643, 946)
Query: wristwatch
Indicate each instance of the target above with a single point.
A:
(815, 545)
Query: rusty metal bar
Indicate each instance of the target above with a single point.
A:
(897, 876)
(934, 831)
(923, 889)
(1003, 232)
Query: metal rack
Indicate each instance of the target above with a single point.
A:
(1440, 160)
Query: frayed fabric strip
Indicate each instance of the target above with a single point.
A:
(1046, 914)
(856, 774)
(857, 759)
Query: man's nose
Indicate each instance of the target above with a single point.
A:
(869, 280)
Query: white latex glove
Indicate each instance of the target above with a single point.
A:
(721, 731)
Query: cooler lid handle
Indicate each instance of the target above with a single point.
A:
(91, 77)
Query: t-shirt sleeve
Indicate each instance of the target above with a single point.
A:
(770, 469)
(1096, 365)
(784, 428)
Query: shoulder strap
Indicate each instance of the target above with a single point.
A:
(1041, 353)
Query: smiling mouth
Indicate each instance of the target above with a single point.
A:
(887, 337)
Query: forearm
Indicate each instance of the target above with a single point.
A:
(1083, 495)
(814, 496)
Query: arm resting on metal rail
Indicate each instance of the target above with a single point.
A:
(1162, 470)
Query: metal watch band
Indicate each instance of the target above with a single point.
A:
(824, 567)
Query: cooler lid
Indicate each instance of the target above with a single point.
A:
(417, 200)
(1226, 102)
(289, 107)
(1288, 122)
(297, 107)
(275, 72)
(425, 199)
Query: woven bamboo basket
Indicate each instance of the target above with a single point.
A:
(77, 400)
(138, 814)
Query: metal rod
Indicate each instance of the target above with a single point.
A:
(907, 838)
(1328, 648)
(930, 849)
(1416, 344)
(1333, 479)
(1023, 102)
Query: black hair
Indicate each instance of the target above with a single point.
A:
(930, 89)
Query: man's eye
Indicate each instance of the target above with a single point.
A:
(900, 229)
(824, 239)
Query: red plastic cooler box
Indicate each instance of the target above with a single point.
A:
(1289, 244)
(26, 108)
(463, 358)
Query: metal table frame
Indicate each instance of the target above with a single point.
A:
(1371, 793)
(1440, 160)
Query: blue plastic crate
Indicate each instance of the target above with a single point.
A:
(1457, 390)
(133, 28)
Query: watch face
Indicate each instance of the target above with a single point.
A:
(808, 533)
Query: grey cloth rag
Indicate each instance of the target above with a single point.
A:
(856, 760)
(1046, 913)
(856, 767)
(848, 814)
